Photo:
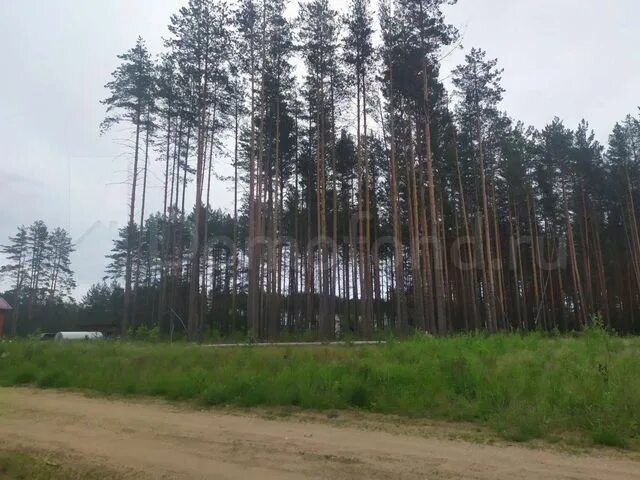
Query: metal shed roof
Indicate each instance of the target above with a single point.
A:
(4, 305)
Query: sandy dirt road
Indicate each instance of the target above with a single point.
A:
(157, 440)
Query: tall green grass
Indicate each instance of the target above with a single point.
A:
(523, 387)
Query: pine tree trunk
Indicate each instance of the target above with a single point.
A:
(194, 319)
(470, 270)
(398, 254)
(162, 299)
(131, 231)
(234, 253)
(418, 289)
(488, 265)
(141, 226)
(575, 273)
(441, 320)
(368, 281)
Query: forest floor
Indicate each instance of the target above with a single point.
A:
(53, 435)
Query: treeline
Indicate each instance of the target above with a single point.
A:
(365, 195)
(38, 270)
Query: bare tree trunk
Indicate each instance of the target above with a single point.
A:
(470, 270)
(131, 230)
(488, 265)
(334, 233)
(234, 253)
(361, 223)
(536, 265)
(514, 268)
(418, 290)
(424, 241)
(441, 321)
(368, 283)
(162, 299)
(398, 254)
(205, 249)
(498, 259)
(575, 273)
(141, 227)
(601, 276)
(194, 319)
(274, 314)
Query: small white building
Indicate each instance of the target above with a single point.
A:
(63, 336)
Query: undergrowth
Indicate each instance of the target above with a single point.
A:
(523, 387)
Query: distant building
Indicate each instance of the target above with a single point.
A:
(4, 308)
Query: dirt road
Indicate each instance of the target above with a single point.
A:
(157, 440)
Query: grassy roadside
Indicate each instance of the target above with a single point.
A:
(521, 387)
(20, 464)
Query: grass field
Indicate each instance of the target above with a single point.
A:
(583, 389)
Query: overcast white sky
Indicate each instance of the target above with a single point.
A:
(571, 58)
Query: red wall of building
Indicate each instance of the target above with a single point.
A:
(1, 323)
